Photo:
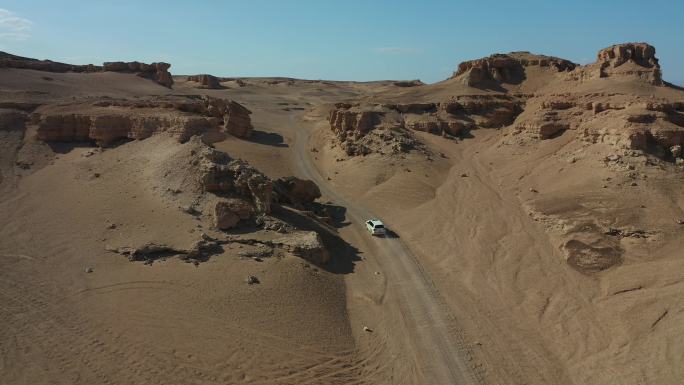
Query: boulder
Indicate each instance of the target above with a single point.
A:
(229, 212)
(296, 191)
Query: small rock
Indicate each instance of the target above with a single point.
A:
(88, 269)
(464, 175)
(367, 329)
(111, 226)
(96, 175)
(633, 184)
(680, 221)
(533, 190)
(377, 273)
(190, 210)
(251, 280)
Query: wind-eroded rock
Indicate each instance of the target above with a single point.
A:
(296, 191)
(206, 81)
(507, 68)
(229, 212)
(225, 176)
(158, 72)
(347, 119)
(107, 129)
(306, 245)
(109, 120)
(636, 59)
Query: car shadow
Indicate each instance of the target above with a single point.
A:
(390, 234)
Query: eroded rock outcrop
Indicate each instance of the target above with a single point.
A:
(109, 120)
(229, 212)
(158, 72)
(346, 119)
(206, 81)
(306, 245)
(637, 59)
(296, 191)
(225, 176)
(506, 68)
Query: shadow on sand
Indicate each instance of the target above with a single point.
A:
(267, 138)
(343, 255)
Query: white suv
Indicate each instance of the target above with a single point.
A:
(375, 227)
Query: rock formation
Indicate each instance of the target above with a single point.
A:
(229, 212)
(229, 177)
(409, 83)
(158, 72)
(506, 68)
(345, 119)
(636, 59)
(296, 191)
(306, 245)
(109, 120)
(206, 81)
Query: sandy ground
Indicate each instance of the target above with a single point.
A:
(472, 288)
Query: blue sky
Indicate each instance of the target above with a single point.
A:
(341, 40)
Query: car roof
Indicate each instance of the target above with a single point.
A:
(375, 222)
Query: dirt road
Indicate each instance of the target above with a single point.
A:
(427, 326)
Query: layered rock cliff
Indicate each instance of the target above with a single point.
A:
(107, 121)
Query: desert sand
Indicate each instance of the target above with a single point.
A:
(159, 228)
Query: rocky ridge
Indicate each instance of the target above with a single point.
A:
(158, 72)
(107, 121)
(506, 68)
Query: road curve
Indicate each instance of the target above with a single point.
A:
(438, 348)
